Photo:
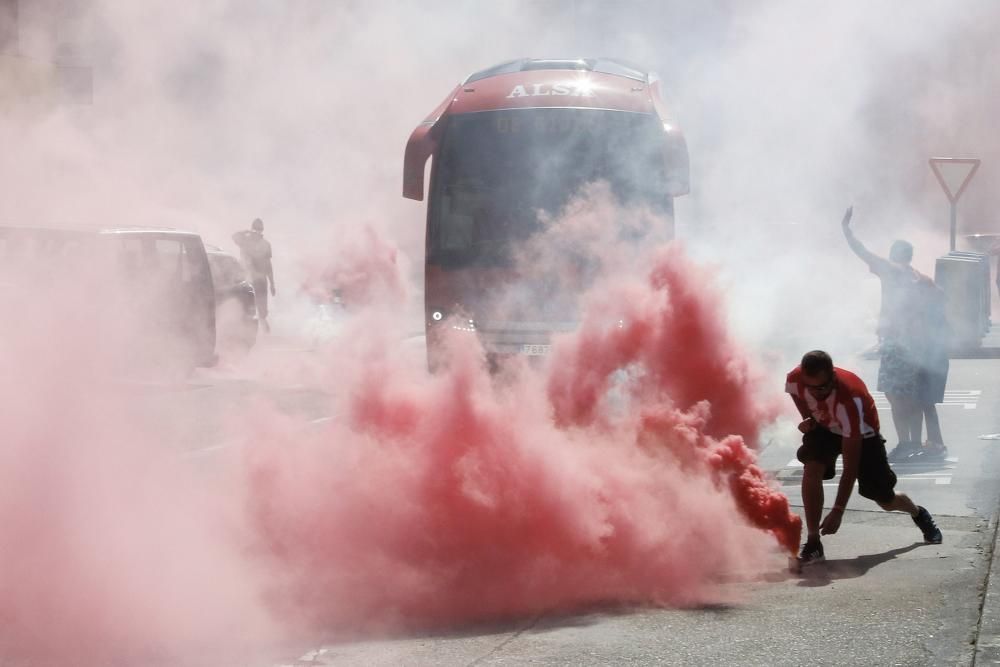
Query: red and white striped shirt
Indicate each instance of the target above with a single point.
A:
(848, 411)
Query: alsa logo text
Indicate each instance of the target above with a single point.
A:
(544, 89)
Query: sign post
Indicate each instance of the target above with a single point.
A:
(954, 174)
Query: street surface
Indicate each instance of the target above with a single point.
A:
(882, 598)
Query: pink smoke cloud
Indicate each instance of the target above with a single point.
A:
(434, 500)
(363, 270)
(115, 550)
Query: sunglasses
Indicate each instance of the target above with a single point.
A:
(819, 387)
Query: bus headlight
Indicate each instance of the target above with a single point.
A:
(456, 322)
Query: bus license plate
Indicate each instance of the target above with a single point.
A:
(535, 350)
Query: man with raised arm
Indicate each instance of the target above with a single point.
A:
(839, 417)
(911, 372)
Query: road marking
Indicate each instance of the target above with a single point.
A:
(310, 658)
(323, 420)
(967, 398)
(202, 451)
(939, 472)
(941, 479)
(151, 386)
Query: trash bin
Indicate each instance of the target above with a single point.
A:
(965, 279)
(984, 268)
(990, 245)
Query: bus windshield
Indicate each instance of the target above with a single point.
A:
(498, 171)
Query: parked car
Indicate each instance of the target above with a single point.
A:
(150, 287)
(235, 308)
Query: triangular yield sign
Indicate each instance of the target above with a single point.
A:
(954, 174)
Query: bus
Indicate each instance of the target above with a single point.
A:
(511, 146)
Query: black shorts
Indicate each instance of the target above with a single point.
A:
(933, 378)
(876, 480)
(898, 370)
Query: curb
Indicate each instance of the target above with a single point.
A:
(987, 639)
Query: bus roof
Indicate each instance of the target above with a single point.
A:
(580, 83)
(576, 83)
(599, 65)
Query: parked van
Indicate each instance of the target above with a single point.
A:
(156, 279)
(235, 307)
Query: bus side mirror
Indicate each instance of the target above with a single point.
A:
(420, 147)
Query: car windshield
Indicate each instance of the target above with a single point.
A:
(498, 170)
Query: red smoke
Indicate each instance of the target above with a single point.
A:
(672, 330)
(617, 473)
(363, 269)
(114, 551)
(672, 327)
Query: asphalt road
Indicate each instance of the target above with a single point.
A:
(883, 597)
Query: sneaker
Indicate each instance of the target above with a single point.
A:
(903, 451)
(812, 552)
(930, 451)
(925, 522)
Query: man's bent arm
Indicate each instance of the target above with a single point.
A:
(851, 448)
(808, 422)
(866, 255)
(802, 407)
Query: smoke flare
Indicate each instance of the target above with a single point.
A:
(441, 499)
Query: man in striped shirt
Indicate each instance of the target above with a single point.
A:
(839, 417)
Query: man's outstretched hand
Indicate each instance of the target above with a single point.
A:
(846, 222)
(831, 524)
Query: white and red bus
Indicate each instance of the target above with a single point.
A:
(511, 145)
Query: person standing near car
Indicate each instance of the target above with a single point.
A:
(255, 251)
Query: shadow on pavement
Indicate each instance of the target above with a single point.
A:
(825, 573)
